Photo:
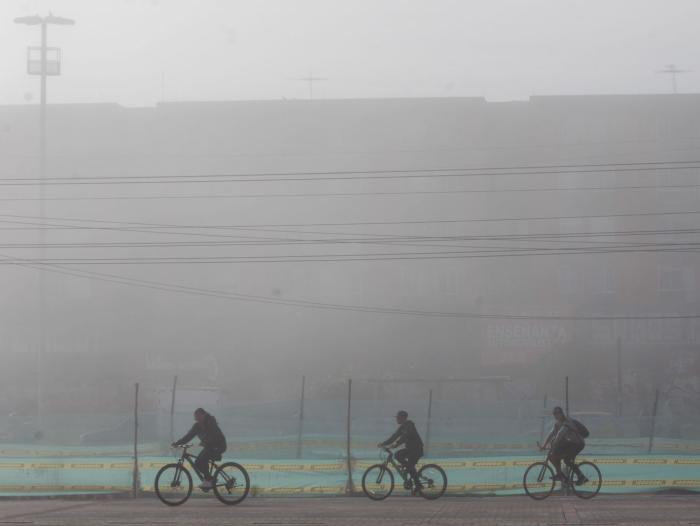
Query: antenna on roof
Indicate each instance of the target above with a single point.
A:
(311, 79)
(672, 70)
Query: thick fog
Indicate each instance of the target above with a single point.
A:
(140, 52)
(244, 193)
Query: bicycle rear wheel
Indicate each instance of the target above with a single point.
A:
(231, 483)
(378, 482)
(591, 486)
(434, 481)
(538, 481)
(173, 484)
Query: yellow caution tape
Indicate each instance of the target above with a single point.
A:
(342, 466)
(341, 444)
(339, 490)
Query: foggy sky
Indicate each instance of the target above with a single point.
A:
(138, 52)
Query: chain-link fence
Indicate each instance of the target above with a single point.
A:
(324, 433)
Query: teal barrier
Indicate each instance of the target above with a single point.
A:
(487, 475)
(317, 447)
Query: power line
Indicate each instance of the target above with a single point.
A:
(356, 194)
(327, 258)
(387, 239)
(263, 226)
(654, 164)
(353, 175)
(564, 237)
(154, 285)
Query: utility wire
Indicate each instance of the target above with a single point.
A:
(387, 239)
(353, 175)
(262, 226)
(327, 258)
(355, 194)
(418, 240)
(168, 287)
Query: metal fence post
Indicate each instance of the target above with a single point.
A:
(565, 490)
(350, 486)
(172, 411)
(544, 415)
(135, 482)
(652, 430)
(427, 430)
(301, 417)
(619, 377)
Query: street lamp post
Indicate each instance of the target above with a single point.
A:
(43, 71)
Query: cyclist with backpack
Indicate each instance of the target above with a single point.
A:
(566, 441)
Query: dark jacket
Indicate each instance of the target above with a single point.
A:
(208, 433)
(563, 433)
(407, 434)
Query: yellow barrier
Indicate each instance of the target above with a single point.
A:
(341, 466)
(151, 449)
(338, 490)
(87, 452)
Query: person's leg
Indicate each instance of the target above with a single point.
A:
(411, 461)
(401, 457)
(201, 463)
(555, 457)
(575, 450)
(569, 452)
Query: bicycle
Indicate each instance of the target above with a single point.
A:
(378, 480)
(173, 482)
(539, 482)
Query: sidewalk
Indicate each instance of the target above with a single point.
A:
(639, 510)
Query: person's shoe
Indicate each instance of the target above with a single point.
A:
(582, 480)
(206, 485)
(558, 478)
(416, 490)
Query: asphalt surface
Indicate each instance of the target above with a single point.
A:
(636, 510)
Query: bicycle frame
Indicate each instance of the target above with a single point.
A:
(398, 467)
(190, 458)
(567, 471)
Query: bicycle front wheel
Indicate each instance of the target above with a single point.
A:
(433, 481)
(231, 483)
(173, 484)
(538, 481)
(378, 482)
(589, 486)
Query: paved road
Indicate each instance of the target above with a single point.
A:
(520, 511)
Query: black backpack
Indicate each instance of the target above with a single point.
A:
(580, 428)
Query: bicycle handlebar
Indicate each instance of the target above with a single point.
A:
(387, 450)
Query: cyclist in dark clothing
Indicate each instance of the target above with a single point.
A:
(406, 435)
(565, 443)
(212, 440)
